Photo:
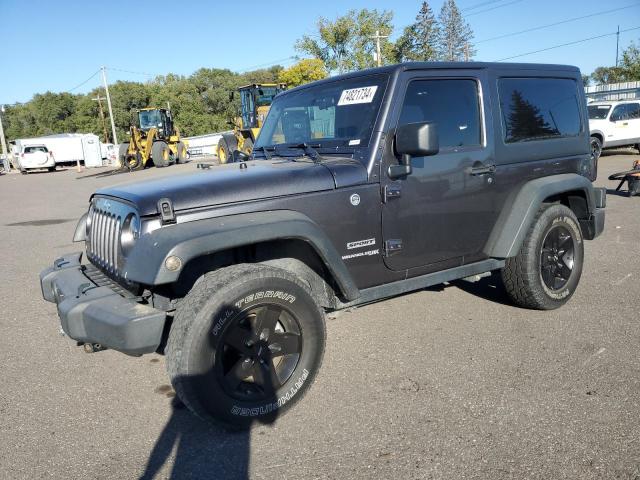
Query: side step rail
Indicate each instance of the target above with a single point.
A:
(373, 294)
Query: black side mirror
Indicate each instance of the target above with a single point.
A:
(413, 140)
(239, 156)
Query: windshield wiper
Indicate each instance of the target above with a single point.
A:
(309, 150)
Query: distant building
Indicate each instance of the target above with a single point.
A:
(613, 91)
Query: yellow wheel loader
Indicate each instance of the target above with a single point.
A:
(255, 100)
(155, 138)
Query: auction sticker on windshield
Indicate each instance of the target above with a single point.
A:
(353, 96)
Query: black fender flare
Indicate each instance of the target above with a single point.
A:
(189, 240)
(521, 207)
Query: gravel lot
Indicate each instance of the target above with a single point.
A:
(450, 382)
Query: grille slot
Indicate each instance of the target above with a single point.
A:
(106, 217)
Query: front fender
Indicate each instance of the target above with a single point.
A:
(520, 210)
(146, 262)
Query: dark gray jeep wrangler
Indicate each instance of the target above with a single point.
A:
(360, 187)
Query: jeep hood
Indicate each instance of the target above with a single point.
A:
(225, 184)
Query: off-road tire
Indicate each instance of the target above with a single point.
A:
(247, 146)
(198, 346)
(223, 151)
(51, 169)
(522, 275)
(122, 154)
(181, 152)
(160, 154)
(596, 151)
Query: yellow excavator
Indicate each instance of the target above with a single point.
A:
(155, 138)
(255, 100)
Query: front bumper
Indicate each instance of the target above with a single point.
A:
(97, 314)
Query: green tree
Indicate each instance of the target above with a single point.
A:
(419, 41)
(455, 34)
(305, 71)
(345, 44)
(604, 75)
(630, 63)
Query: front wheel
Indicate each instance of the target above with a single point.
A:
(160, 154)
(223, 151)
(546, 271)
(245, 345)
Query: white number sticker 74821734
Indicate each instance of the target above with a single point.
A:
(357, 95)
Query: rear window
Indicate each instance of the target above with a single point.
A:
(598, 112)
(538, 108)
(35, 149)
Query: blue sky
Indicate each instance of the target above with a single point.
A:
(56, 45)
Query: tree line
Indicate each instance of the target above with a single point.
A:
(200, 102)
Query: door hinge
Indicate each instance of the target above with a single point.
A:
(392, 247)
(392, 191)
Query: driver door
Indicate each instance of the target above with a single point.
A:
(443, 210)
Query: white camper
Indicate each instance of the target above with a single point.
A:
(67, 148)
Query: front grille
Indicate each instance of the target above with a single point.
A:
(105, 219)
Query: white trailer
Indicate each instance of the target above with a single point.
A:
(202, 144)
(67, 148)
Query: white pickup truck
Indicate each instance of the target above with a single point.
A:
(614, 124)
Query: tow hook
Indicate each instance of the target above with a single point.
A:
(93, 347)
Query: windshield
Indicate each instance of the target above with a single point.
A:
(149, 119)
(265, 95)
(333, 114)
(598, 112)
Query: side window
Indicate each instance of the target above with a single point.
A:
(537, 108)
(453, 105)
(621, 112)
(633, 111)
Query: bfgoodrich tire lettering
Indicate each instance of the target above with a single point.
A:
(245, 345)
(547, 270)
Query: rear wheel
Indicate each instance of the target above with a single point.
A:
(160, 154)
(181, 153)
(546, 271)
(52, 169)
(122, 154)
(245, 345)
(223, 151)
(247, 147)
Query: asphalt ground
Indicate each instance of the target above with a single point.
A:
(449, 382)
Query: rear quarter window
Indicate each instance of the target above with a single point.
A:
(35, 149)
(538, 108)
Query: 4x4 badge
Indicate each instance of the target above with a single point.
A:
(355, 199)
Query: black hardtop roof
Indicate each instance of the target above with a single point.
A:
(406, 66)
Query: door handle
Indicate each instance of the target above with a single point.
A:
(482, 170)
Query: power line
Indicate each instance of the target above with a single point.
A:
(130, 71)
(478, 5)
(494, 8)
(275, 62)
(86, 81)
(561, 22)
(567, 44)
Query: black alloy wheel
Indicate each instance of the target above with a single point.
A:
(261, 350)
(557, 258)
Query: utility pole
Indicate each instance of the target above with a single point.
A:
(466, 51)
(617, 44)
(2, 139)
(104, 123)
(106, 89)
(377, 38)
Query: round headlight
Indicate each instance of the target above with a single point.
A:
(130, 233)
